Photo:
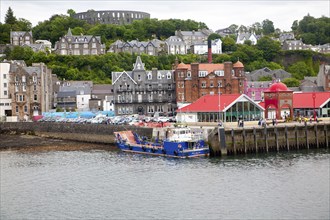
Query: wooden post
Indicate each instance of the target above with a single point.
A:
(233, 140)
(316, 136)
(326, 136)
(296, 136)
(276, 139)
(222, 140)
(255, 139)
(266, 138)
(287, 138)
(244, 141)
(306, 134)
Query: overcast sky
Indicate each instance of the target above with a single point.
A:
(216, 14)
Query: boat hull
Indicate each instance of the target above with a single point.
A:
(187, 153)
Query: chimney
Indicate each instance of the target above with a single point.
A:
(209, 51)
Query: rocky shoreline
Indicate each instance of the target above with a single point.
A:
(36, 143)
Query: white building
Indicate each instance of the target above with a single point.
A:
(242, 37)
(202, 48)
(5, 100)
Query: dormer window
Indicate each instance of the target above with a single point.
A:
(159, 75)
(219, 72)
(139, 77)
(169, 76)
(149, 76)
(189, 74)
(202, 73)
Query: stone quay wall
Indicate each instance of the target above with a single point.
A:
(269, 139)
(93, 133)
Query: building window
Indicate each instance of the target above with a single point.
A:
(16, 109)
(35, 98)
(139, 77)
(5, 92)
(34, 78)
(188, 74)
(34, 87)
(203, 84)
(23, 78)
(211, 84)
(16, 78)
(24, 88)
(25, 108)
(169, 86)
(169, 76)
(149, 76)
(5, 85)
(159, 76)
(120, 87)
(5, 76)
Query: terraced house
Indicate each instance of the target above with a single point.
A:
(144, 92)
(30, 89)
(152, 47)
(79, 45)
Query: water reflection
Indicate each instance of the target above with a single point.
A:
(110, 184)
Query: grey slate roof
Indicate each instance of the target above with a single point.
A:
(102, 89)
(65, 94)
(277, 74)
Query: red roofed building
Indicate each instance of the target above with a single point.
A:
(278, 97)
(198, 79)
(304, 104)
(227, 107)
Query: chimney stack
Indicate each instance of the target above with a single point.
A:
(209, 51)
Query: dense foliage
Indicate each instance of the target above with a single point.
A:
(312, 30)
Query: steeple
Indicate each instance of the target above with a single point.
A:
(69, 34)
(138, 64)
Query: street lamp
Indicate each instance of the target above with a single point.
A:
(314, 96)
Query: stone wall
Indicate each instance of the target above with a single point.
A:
(95, 133)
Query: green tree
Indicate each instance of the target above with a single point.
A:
(269, 47)
(213, 36)
(228, 44)
(4, 33)
(265, 78)
(268, 27)
(71, 12)
(299, 70)
(291, 82)
(9, 17)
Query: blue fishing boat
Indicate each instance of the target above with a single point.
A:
(180, 143)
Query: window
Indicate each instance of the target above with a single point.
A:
(35, 98)
(211, 84)
(34, 78)
(203, 84)
(120, 87)
(16, 78)
(5, 85)
(25, 108)
(150, 87)
(202, 73)
(23, 79)
(169, 86)
(169, 76)
(188, 74)
(5, 76)
(16, 109)
(149, 76)
(159, 76)
(219, 84)
(34, 87)
(24, 88)
(159, 86)
(219, 72)
(139, 77)
(5, 92)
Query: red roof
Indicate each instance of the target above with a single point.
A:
(209, 67)
(210, 103)
(305, 100)
(277, 87)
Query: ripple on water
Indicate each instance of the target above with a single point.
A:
(114, 185)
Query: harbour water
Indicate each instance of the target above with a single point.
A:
(108, 184)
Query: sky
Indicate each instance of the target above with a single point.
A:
(216, 14)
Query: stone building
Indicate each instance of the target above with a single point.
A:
(144, 92)
(153, 47)
(30, 89)
(198, 79)
(111, 16)
(19, 38)
(79, 45)
(102, 98)
(323, 77)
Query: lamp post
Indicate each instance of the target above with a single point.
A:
(219, 104)
(314, 96)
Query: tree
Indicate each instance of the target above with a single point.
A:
(71, 12)
(268, 27)
(10, 18)
(269, 47)
(299, 70)
(291, 82)
(214, 36)
(228, 44)
(265, 78)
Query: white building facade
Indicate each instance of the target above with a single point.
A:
(5, 100)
